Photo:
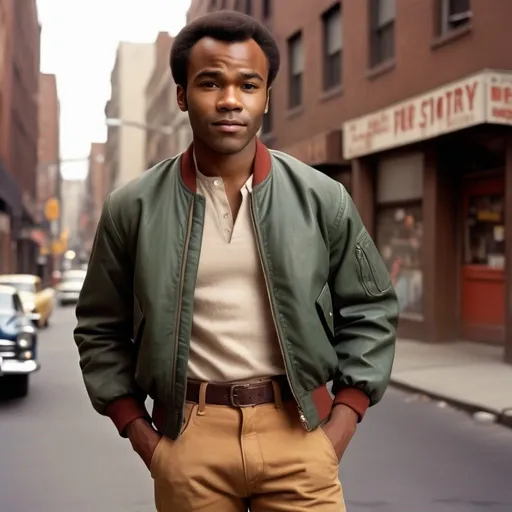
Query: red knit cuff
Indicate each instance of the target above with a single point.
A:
(124, 410)
(354, 398)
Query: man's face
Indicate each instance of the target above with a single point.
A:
(226, 93)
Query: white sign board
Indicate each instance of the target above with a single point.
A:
(499, 98)
(484, 97)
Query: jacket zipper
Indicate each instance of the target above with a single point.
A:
(180, 296)
(302, 416)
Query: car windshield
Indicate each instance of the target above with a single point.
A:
(21, 286)
(6, 301)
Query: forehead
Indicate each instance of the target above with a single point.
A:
(211, 53)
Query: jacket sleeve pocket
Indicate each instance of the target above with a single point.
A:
(372, 270)
(324, 308)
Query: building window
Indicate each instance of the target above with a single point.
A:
(296, 70)
(382, 31)
(454, 14)
(213, 6)
(399, 228)
(333, 44)
(267, 9)
(223, 4)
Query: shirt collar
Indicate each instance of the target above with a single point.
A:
(210, 179)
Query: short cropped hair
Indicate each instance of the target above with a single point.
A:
(226, 26)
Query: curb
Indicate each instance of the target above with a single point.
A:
(503, 418)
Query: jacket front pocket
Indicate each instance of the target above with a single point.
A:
(373, 273)
(324, 308)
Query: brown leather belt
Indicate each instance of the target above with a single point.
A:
(241, 394)
(236, 394)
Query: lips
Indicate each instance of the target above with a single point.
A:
(229, 126)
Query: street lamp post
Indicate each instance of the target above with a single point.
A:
(116, 122)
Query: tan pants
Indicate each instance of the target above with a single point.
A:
(231, 459)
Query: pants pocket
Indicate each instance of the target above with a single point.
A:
(328, 445)
(166, 445)
(152, 464)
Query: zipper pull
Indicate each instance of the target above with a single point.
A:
(303, 419)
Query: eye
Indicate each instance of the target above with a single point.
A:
(208, 85)
(249, 87)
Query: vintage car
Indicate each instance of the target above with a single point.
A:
(18, 344)
(38, 301)
(70, 285)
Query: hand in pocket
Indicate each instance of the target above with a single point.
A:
(144, 439)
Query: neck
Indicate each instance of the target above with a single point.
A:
(236, 166)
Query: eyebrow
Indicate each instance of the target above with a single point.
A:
(210, 73)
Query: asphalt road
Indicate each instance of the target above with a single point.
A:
(409, 455)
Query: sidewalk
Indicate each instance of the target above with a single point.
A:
(469, 375)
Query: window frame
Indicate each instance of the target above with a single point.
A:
(332, 78)
(450, 18)
(295, 80)
(377, 55)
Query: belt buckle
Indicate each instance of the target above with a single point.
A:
(232, 395)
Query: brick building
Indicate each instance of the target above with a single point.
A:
(409, 104)
(19, 84)
(48, 174)
(172, 132)
(96, 191)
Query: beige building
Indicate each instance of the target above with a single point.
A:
(73, 192)
(171, 132)
(125, 152)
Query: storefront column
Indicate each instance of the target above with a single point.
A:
(363, 192)
(508, 250)
(440, 269)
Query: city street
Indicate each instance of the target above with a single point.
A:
(409, 455)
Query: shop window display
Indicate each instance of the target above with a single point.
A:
(399, 239)
(485, 231)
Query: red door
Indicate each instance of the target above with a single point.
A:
(483, 270)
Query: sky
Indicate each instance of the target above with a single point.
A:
(79, 39)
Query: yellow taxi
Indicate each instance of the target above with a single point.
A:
(38, 301)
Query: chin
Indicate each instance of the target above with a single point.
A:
(229, 146)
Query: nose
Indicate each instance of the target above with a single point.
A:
(229, 100)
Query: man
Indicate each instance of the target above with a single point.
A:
(230, 284)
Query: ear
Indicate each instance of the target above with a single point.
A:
(268, 100)
(181, 97)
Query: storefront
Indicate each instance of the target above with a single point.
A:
(432, 176)
(324, 152)
(10, 219)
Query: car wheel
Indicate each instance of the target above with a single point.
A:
(19, 385)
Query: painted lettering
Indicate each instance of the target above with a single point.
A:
(449, 103)
(471, 93)
(505, 114)
(458, 103)
(508, 95)
(404, 118)
(501, 94)
(496, 93)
